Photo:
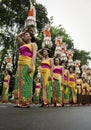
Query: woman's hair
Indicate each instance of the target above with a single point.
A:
(58, 59)
(32, 36)
(6, 71)
(47, 49)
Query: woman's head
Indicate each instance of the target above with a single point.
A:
(45, 52)
(71, 70)
(77, 75)
(84, 80)
(56, 61)
(5, 72)
(28, 36)
(64, 64)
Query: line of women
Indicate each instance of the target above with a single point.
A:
(56, 86)
(59, 85)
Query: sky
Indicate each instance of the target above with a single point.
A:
(75, 17)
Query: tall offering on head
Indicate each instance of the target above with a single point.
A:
(70, 57)
(58, 49)
(63, 53)
(84, 71)
(77, 66)
(9, 64)
(47, 43)
(30, 23)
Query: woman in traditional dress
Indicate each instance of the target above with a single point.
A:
(57, 83)
(85, 92)
(46, 76)
(67, 89)
(5, 93)
(89, 92)
(72, 85)
(79, 88)
(37, 90)
(24, 75)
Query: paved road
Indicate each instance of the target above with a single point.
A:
(37, 118)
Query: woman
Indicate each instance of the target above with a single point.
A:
(46, 76)
(72, 85)
(57, 83)
(25, 70)
(37, 90)
(67, 89)
(79, 88)
(85, 91)
(5, 94)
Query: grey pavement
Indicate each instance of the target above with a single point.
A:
(37, 118)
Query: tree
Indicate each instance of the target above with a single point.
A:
(13, 14)
(83, 56)
(12, 19)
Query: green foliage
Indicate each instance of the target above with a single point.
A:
(82, 55)
(60, 31)
(13, 14)
(41, 16)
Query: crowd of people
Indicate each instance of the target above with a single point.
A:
(58, 82)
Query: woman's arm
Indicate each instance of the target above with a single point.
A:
(52, 66)
(34, 57)
(39, 55)
(8, 79)
(19, 37)
(34, 53)
(62, 75)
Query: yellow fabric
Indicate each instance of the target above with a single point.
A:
(79, 85)
(46, 71)
(65, 81)
(72, 84)
(85, 87)
(78, 81)
(89, 90)
(6, 84)
(58, 77)
(25, 59)
(66, 90)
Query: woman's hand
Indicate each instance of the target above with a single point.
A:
(50, 78)
(30, 69)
